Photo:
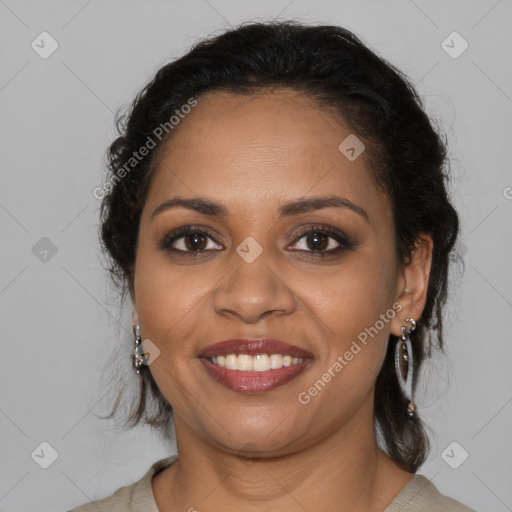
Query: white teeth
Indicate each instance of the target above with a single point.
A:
(231, 362)
(276, 361)
(261, 363)
(258, 363)
(245, 362)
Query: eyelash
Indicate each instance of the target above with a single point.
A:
(340, 237)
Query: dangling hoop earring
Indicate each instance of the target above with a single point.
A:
(403, 353)
(138, 352)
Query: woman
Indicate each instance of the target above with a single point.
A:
(277, 211)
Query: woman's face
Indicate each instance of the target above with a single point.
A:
(263, 271)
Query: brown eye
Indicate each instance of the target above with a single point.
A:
(317, 241)
(322, 241)
(188, 240)
(195, 242)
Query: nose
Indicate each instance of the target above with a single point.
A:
(253, 291)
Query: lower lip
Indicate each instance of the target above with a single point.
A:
(253, 382)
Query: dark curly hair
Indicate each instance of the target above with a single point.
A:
(408, 159)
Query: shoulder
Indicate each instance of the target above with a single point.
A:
(420, 495)
(137, 496)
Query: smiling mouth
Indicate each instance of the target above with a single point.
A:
(254, 374)
(254, 365)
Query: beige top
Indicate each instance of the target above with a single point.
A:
(419, 495)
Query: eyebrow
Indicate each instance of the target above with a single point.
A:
(211, 208)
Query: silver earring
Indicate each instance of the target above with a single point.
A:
(138, 352)
(404, 358)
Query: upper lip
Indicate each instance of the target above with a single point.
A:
(253, 346)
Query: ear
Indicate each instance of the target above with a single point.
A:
(412, 284)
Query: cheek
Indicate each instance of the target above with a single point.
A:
(356, 304)
(169, 298)
(356, 293)
(356, 313)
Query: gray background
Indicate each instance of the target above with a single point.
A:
(60, 329)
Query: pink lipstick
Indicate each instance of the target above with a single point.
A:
(255, 365)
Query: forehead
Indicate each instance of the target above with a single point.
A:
(249, 150)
